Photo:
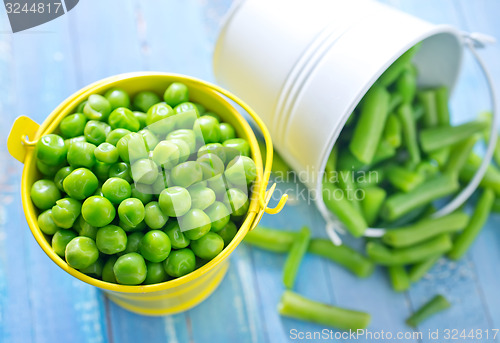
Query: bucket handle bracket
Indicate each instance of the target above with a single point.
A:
(21, 136)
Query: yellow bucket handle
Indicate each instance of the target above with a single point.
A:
(21, 136)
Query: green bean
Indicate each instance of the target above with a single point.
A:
(443, 112)
(496, 205)
(394, 102)
(370, 178)
(418, 112)
(400, 204)
(478, 219)
(459, 154)
(399, 278)
(404, 179)
(270, 239)
(435, 138)
(427, 169)
(428, 100)
(370, 124)
(408, 218)
(295, 256)
(371, 203)
(433, 306)
(295, 306)
(425, 229)
(398, 66)
(347, 185)
(382, 255)
(418, 270)
(343, 255)
(409, 131)
(406, 85)
(392, 131)
(344, 210)
(347, 161)
(384, 152)
(491, 178)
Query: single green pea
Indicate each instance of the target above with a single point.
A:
(95, 269)
(122, 146)
(219, 185)
(81, 252)
(51, 150)
(186, 135)
(117, 97)
(211, 165)
(129, 228)
(208, 246)
(219, 216)
(101, 170)
(81, 154)
(130, 269)
(241, 170)
(156, 273)
(97, 108)
(143, 101)
(144, 171)
(46, 223)
(141, 117)
(184, 151)
(73, 125)
(149, 138)
(136, 146)
(85, 229)
(68, 142)
(111, 239)
(177, 238)
(166, 154)
(123, 118)
(108, 275)
(133, 241)
(106, 153)
(201, 196)
(114, 136)
(187, 173)
(121, 170)
(80, 107)
(176, 93)
(207, 129)
(227, 132)
(213, 148)
(236, 201)
(235, 147)
(131, 211)
(213, 114)
(155, 246)
(175, 201)
(98, 211)
(60, 239)
(80, 184)
(116, 190)
(201, 108)
(65, 212)
(195, 224)
(61, 174)
(180, 262)
(160, 118)
(46, 170)
(44, 194)
(154, 216)
(142, 192)
(96, 131)
(186, 114)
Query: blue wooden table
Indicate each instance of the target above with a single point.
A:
(41, 303)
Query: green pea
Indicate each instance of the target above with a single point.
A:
(106, 153)
(81, 154)
(228, 232)
(130, 269)
(111, 239)
(187, 173)
(46, 223)
(70, 141)
(96, 131)
(117, 97)
(154, 217)
(101, 170)
(142, 192)
(186, 135)
(219, 185)
(176, 93)
(85, 229)
(51, 150)
(144, 171)
(186, 114)
(114, 136)
(133, 241)
(73, 125)
(131, 211)
(60, 239)
(44, 194)
(149, 138)
(145, 100)
(65, 212)
(98, 211)
(108, 275)
(156, 273)
(166, 154)
(159, 118)
(123, 118)
(227, 132)
(207, 129)
(211, 165)
(95, 269)
(81, 252)
(201, 196)
(180, 263)
(208, 246)
(212, 114)
(219, 216)
(236, 201)
(195, 224)
(47, 170)
(61, 175)
(175, 201)
(80, 107)
(177, 238)
(235, 147)
(80, 184)
(141, 117)
(121, 170)
(241, 170)
(122, 146)
(129, 228)
(97, 108)
(116, 190)
(213, 148)
(155, 246)
(184, 151)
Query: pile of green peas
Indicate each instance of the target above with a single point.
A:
(141, 191)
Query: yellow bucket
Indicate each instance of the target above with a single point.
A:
(185, 292)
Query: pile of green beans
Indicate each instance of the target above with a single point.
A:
(142, 189)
